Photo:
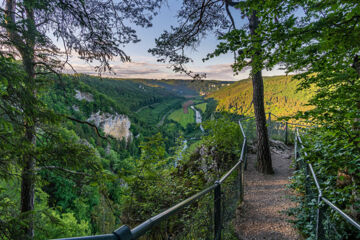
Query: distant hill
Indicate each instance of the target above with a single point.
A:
(185, 88)
(131, 94)
(86, 97)
(280, 96)
(133, 107)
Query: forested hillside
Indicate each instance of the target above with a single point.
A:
(280, 97)
(130, 93)
(186, 87)
(113, 135)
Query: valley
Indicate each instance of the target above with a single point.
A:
(102, 136)
(136, 131)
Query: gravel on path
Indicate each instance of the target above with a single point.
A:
(261, 215)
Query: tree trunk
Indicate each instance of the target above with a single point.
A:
(29, 163)
(356, 124)
(264, 163)
(28, 187)
(26, 49)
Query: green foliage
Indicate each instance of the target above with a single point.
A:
(186, 87)
(337, 170)
(280, 97)
(145, 195)
(330, 51)
(131, 94)
(154, 113)
(224, 135)
(201, 106)
(154, 184)
(325, 49)
(50, 223)
(64, 163)
(55, 225)
(183, 118)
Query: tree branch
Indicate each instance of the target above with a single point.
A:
(88, 123)
(62, 169)
(229, 14)
(232, 3)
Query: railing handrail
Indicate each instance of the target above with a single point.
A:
(226, 175)
(125, 233)
(242, 129)
(294, 124)
(290, 123)
(322, 198)
(147, 225)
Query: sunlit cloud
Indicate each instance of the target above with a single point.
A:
(149, 68)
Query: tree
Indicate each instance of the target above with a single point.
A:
(94, 29)
(324, 46)
(197, 18)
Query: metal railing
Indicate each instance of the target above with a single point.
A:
(278, 129)
(323, 228)
(220, 203)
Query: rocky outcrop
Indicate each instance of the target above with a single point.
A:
(208, 162)
(117, 126)
(75, 108)
(84, 96)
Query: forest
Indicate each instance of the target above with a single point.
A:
(280, 97)
(81, 154)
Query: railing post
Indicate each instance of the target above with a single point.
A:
(217, 211)
(245, 154)
(269, 125)
(295, 150)
(319, 220)
(241, 180)
(123, 233)
(286, 133)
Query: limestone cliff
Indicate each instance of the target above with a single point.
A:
(84, 96)
(115, 125)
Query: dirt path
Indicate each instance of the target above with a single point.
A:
(261, 215)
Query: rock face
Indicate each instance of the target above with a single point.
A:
(117, 126)
(75, 108)
(84, 96)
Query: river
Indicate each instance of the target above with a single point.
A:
(198, 118)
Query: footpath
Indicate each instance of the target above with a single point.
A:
(262, 214)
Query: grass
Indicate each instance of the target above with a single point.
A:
(154, 113)
(201, 106)
(182, 118)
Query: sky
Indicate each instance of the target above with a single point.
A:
(144, 65)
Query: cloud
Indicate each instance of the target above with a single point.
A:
(147, 67)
